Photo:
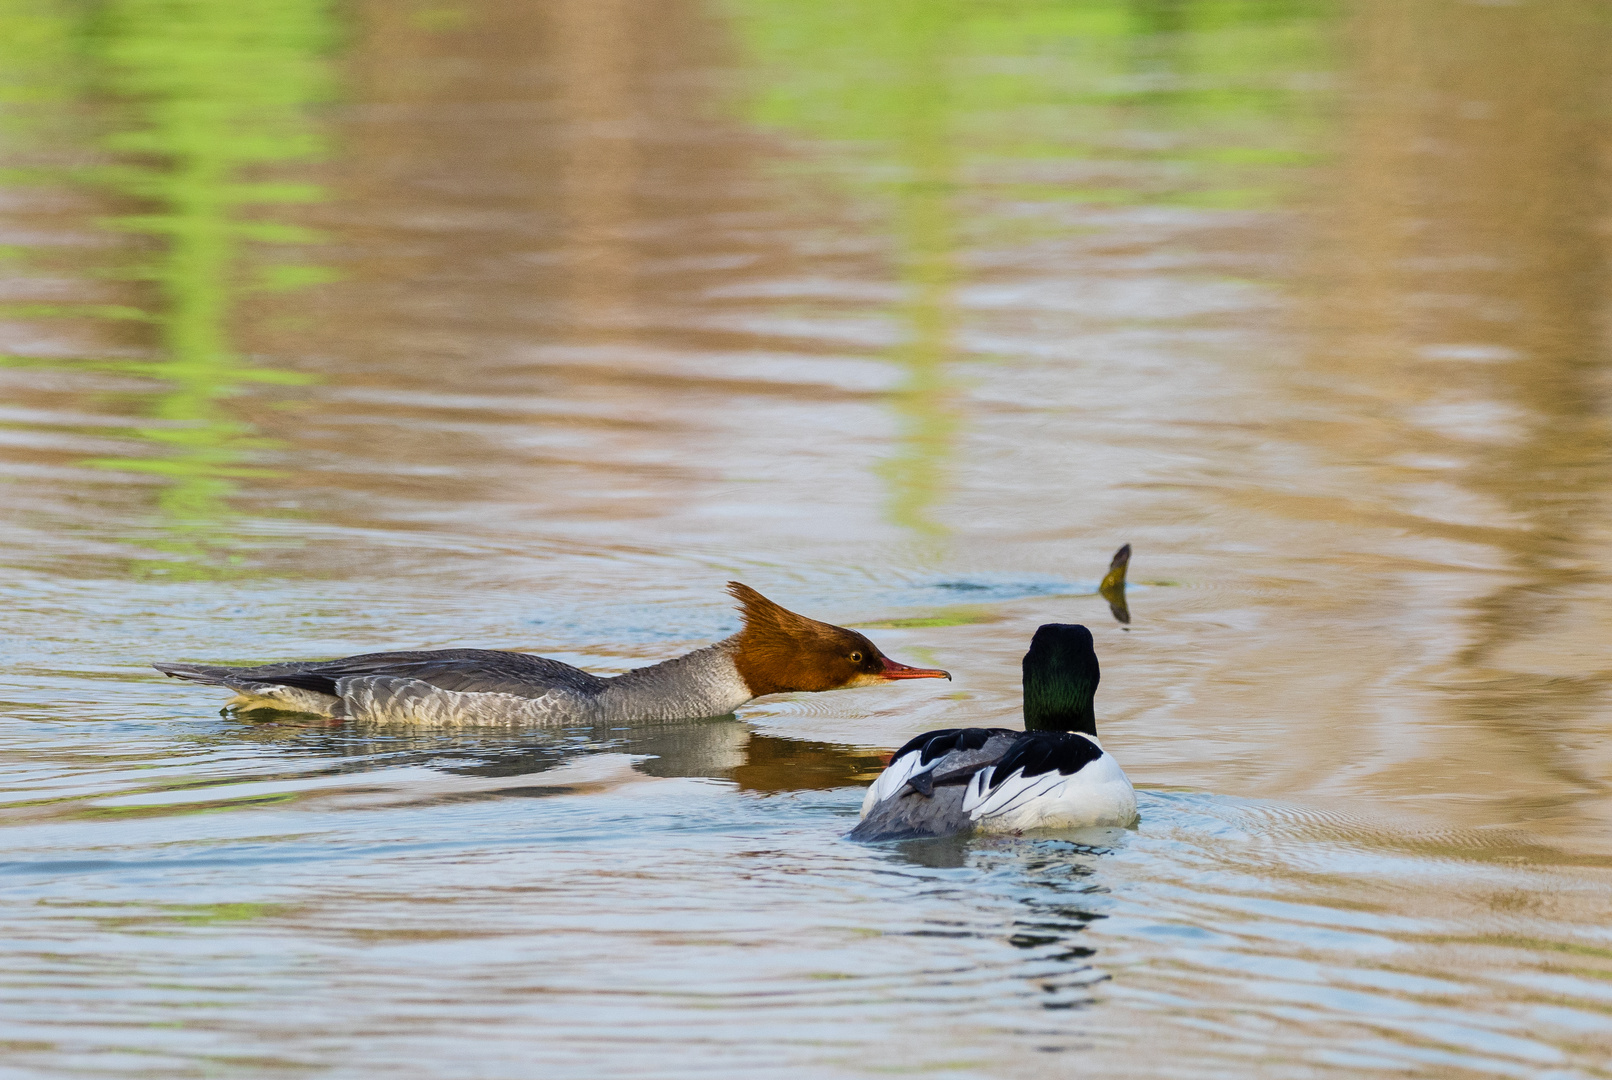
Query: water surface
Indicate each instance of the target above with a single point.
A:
(330, 329)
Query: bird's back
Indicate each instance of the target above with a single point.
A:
(946, 782)
(920, 793)
(395, 685)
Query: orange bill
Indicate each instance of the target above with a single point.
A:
(893, 670)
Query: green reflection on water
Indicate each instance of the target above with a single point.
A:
(947, 110)
(926, 215)
(880, 73)
(191, 98)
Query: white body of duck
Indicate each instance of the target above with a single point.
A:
(1054, 775)
(776, 652)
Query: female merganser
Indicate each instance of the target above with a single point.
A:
(1054, 774)
(777, 651)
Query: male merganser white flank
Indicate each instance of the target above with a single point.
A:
(1054, 774)
(777, 651)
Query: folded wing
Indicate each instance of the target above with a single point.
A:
(316, 685)
(1036, 766)
(921, 792)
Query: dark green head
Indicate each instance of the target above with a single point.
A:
(1060, 680)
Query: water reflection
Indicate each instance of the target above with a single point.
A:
(563, 412)
(1112, 588)
(891, 87)
(924, 110)
(716, 748)
(207, 95)
(596, 49)
(978, 598)
(1464, 287)
(950, 104)
(1054, 884)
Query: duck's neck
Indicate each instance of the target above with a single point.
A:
(701, 683)
(1081, 720)
(1070, 710)
(1058, 695)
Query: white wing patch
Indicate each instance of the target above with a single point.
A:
(1097, 794)
(895, 777)
(1014, 793)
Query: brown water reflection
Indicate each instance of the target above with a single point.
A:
(1461, 292)
(909, 314)
(718, 748)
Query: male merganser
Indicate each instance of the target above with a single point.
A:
(777, 651)
(1054, 774)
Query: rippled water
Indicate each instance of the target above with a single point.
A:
(333, 329)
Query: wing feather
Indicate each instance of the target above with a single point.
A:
(474, 671)
(904, 801)
(989, 797)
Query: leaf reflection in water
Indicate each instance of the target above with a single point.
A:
(1113, 587)
(987, 590)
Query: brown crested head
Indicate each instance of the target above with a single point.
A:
(779, 651)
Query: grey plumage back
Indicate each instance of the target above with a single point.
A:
(455, 687)
(910, 816)
(482, 671)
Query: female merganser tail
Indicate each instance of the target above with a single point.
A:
(1054, 774)
(776, 652)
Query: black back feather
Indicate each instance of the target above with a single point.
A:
(1038, 752)
(935, 743)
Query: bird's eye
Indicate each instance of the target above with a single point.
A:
(856, 658)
